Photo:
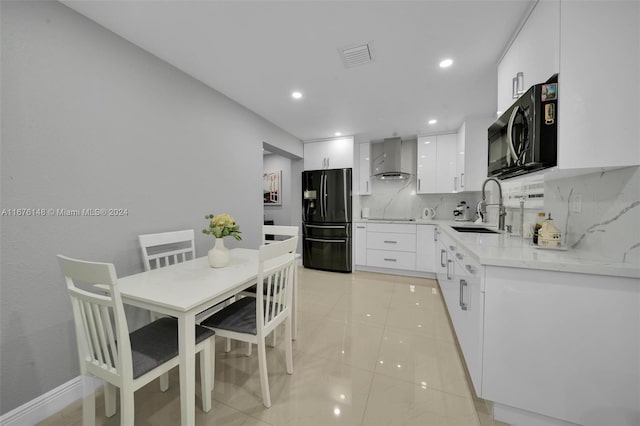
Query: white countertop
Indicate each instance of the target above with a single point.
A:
(513, 251)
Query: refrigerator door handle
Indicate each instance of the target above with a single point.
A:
(324, 192)
(325, 241)
(327, 226)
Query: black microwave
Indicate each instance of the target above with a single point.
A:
(524, 138)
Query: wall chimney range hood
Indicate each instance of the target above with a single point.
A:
(387, 160)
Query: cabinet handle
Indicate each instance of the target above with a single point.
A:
(463, 306)
(391, 242)
(520, 80)
(517, 85)
(390, 260)
(367, 182)
(449, 262)
(461, 180)
(471, 269)
(455, 183)
(328, 165)
(459, 256)
(435, 234)
(442, 251)
(361, 227)
(418, 184)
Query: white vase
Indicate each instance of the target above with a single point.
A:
(219, 255)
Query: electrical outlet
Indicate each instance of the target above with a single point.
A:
(576, 203)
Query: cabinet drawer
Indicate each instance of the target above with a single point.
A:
(393, 242)
(391, 259)
(395, 228)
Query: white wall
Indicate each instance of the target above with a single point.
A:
(91, 121)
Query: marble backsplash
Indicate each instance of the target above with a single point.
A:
(398, 199)
(597, 213)
(608, 221)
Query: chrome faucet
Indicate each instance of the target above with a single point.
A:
(502, 212)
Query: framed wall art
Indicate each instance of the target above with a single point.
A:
(272, 188)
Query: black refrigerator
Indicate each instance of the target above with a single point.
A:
(326, 219)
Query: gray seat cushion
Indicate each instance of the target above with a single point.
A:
(240, 316)
(157, 342)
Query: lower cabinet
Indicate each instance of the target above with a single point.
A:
(563, 345)
(391, 246)
(403, 247)
(459, 277)
(426, 248)
(360, 244)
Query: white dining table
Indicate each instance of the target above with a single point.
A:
(182, 291)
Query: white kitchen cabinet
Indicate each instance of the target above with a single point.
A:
(391, 246)
(598, 106)
(534, 53)
(361, 244)
(562, 345)
(459, 179)
(436, 161)
(329, 154)
(427, 159)
(460, 280)
(468, 314)
(474, 146)
(426, 248)
(364, 162)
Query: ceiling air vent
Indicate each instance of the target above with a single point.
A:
(356, 55)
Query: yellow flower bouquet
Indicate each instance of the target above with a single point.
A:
(222, 225)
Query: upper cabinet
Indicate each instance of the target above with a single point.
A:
(472, 153)
(329, 154)
(533, 56)
(364, 163)
(595, 49)
(599, 85)
(437, 164)
(459, 179)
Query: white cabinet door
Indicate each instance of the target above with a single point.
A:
(539, 44)
(459, 179)
(534, 52)
(599, 128)
(427, 160)
(475, 152)
(364, 160)
(426, 248)
(437, 161)
(563, 345)
(447, 160)
(329, 154)
(361, 244)
(468, 319)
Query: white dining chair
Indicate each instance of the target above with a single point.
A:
(166, 248)
(251, 319)
(272, 234)
(107, 350)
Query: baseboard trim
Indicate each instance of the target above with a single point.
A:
(47, 404)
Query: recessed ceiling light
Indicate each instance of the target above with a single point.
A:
(338, 134)
(446, 63)
(296, 95)
(433, 121)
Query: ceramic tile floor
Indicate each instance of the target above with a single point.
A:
(372, 349)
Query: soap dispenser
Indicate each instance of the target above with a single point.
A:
(549, 235)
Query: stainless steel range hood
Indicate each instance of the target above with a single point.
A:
(387, 160)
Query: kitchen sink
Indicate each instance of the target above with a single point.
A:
(476, 229)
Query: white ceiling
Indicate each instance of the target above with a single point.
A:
(258, 52)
